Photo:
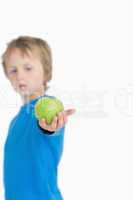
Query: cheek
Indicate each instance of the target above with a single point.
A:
(37, 80)
(14, 85)
(39, 77)
(12, 82)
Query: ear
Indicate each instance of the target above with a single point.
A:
(46, 78)
(44, 82)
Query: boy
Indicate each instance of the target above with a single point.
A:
(32, 149)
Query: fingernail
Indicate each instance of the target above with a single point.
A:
(56, 118)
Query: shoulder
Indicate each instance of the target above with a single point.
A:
(50, 96)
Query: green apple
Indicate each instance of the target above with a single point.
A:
(47, 108)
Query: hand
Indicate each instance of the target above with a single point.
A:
(58, 122)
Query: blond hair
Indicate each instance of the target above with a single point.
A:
(26, 43)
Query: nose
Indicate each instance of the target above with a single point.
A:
(20, 75)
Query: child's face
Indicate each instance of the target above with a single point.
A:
(26, 74)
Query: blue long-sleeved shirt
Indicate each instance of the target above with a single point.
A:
(31, 158)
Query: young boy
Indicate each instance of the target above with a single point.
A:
(32, 149)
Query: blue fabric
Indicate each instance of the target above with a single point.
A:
(31, 158)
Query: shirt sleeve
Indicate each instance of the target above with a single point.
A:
(51, 133)
(45, 131)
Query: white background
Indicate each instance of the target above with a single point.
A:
(92, 44)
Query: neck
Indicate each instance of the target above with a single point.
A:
(28, 98)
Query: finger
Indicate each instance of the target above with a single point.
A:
(65, 119)
(70, 111)
(43, 124)
(60, 120)
(54, 124)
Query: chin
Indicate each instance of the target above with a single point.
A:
(24, 93)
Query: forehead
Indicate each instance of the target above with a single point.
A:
(17, 55)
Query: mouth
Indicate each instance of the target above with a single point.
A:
(22, 86)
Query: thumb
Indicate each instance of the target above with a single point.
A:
(70, 111)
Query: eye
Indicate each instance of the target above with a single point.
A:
(12, 71)
(28, 67)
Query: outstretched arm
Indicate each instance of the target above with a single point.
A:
(59, 121)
